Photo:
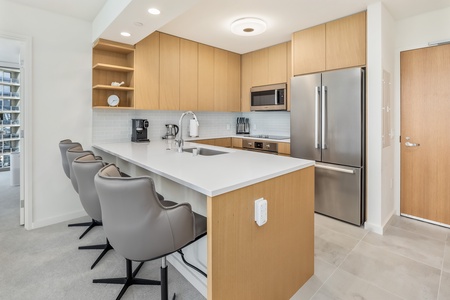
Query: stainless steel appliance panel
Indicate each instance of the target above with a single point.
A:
(306, 117)
(338, 192)
(342, 117)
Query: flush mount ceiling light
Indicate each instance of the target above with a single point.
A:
(154, 11)
(127, 34)
(248, 26)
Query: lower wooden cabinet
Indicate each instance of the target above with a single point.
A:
(284, 149)
(221, 142)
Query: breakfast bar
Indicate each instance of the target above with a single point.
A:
(242, 259)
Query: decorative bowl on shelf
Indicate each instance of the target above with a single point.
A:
(114, 83)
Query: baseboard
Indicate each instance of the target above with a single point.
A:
(58, 219)
(379, 228)
(194, 278)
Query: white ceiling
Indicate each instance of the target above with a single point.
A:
(208, 21)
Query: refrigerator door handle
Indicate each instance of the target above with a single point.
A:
(335, 169)
(324, 116)
(316, 118)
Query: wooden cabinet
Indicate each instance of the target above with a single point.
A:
(188, 75)
(246, 80)
(112, 62)
(221, 142)
(346, 42)
(178, 74)
(263, 67)
(309, 50)
(169, 72)
(284, 149)
(146, 73)
(205, 77)
(227, 80)
(236, 143)
(333, 45)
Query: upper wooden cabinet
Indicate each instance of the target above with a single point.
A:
(188, 75)
(309, 50)
(169, 72)
(147, 73)
(205, 77)
(178, 74)
(263, 67)
(333, 45)
(112, 62)
(346, 42)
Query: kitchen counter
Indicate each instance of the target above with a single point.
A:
(242, 260)
(239, 136)
(214, 175)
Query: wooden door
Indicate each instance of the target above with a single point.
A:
(425, 120)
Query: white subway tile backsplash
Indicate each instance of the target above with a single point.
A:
(115, 126)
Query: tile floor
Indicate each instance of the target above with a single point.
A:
(410, 261)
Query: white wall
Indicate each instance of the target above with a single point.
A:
(379, 160)
(413, 33)
(61, 102)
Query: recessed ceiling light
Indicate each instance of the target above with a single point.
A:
(127, 34)
(248, 26)
(154, 11)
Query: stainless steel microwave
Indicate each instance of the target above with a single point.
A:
(268, 97)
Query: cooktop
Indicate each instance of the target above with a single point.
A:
(268, 136)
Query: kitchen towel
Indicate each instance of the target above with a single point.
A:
(193, 128)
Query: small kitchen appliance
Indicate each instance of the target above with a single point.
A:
(139, 130)
(242, 125)
(171, 131)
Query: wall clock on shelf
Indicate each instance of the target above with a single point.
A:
(113, 100)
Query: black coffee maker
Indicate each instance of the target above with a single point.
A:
(139, 130)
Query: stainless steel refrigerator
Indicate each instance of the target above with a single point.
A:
(327, 125)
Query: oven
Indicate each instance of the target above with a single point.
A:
(260, 146)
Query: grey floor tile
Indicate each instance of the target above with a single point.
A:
(415, 226)
(413, 245)
(395, 273)
(322, 271)
(343, 285)
(332, 246)
(341, 227)
(444, 289)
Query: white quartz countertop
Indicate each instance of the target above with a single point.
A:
(209, 175)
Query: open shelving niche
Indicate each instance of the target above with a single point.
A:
(112, 62)
(9, 115)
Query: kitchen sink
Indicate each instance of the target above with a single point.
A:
(204, 151)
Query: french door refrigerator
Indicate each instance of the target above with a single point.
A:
(327, 125)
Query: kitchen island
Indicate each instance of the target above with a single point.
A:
(242, 260)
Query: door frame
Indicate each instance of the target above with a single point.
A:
(26, 174)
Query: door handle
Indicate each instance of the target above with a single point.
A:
(409, 144)
(324, 116)
(316, 118)
(337, 169)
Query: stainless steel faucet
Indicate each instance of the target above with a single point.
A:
(180, 141)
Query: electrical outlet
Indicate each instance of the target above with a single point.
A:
(254, 126)
(228, 126)
(261, 211)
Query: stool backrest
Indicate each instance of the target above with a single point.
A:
(85, 168)
(72, 154)
(65, 145)
(136, 224)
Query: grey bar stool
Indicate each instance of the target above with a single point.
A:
(65, 145)
(72, 154)
(85, 167)
(141, 228)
